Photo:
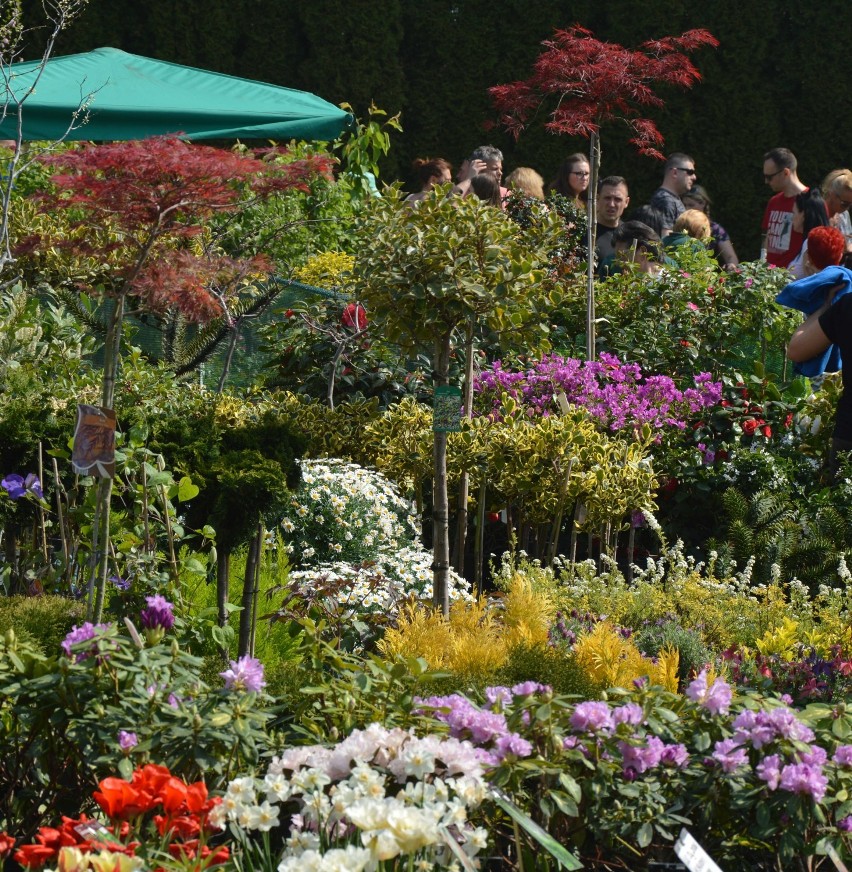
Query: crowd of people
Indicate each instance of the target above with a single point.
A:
(678, 212)
(806, 230)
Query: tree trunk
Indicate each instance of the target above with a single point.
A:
(592, 217)
(440, 501)
(479, 545)
(249, 593)
(223, 583)
(464, 484)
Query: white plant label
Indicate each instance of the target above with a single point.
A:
(692, 855)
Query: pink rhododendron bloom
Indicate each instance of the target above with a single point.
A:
(769, 770)
(592, 717)
(716, 698)
(245, 674)
(729, 755)
(805, 779)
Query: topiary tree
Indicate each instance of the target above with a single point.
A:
(424, 274)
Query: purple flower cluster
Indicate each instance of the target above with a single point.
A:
(762, 727)
(245, 674)
(127, 740)
(639, 758)
(618, 395)
(158, 614)
(87, 632)
(487, 728)
(716, 698)
(804, 774)
(17, 486)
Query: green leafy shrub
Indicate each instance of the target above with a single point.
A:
(60, 718)
(41, 621)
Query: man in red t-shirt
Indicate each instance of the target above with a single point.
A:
(780, 243)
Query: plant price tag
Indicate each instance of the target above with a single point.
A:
(692, 855)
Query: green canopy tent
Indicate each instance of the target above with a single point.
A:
(132, 97)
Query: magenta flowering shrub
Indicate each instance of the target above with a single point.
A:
(757, 782)
(486, 728)
(616, 394)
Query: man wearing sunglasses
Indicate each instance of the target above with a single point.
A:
(780, 243)
(678, 178)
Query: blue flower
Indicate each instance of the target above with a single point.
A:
(17, 486)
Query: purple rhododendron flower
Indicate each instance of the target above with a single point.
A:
(845, 825)
(843, 755)
(158, 615)
(512, 743)
(814, 756)
(729, 755)
(769, 770)
(527, 688)
(499, 694)
(630, 713)
(84, 633)
(674, 755)
(805, 779)
(244, 674)
(17, 486)
(716, 698)
(641, 758)
(592, 717)
(127, 740)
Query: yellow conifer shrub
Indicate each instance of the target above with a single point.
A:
(613, 661)
(478, 637)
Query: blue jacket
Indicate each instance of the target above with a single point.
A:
(807, 295)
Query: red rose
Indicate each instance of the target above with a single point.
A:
(749, 426)
(766, 430)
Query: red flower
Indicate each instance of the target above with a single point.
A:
(118, 798)
(668, 489)
(685, 343)
(34, 856)
(354, 316)
(749, 426)
(6, 845)
(788, 421)
(766, 430)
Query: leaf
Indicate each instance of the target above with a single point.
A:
(560, 854)
(125, 768)
(186, 489)
(644, 836)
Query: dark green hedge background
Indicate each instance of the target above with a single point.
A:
(781, 75)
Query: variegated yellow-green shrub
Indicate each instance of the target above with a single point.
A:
(328, 269)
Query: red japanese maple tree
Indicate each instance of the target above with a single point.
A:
(592, 82)
(141, 208)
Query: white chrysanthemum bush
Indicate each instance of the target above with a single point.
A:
(377, 796)
(353, 538)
